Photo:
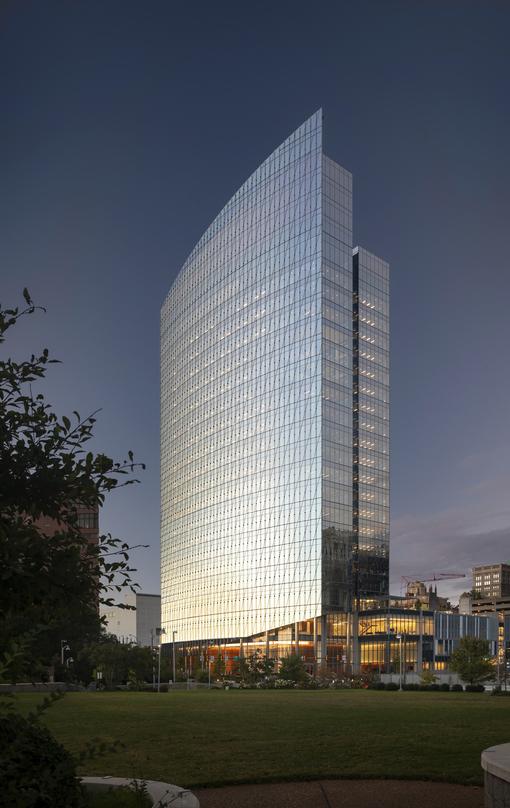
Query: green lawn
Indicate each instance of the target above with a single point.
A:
(205, 738)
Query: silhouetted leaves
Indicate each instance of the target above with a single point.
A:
(50, 585)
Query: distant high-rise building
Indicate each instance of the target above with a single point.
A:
(491, 595)
(140, 623)
(492, 581)
(275, 412)
(466, 603)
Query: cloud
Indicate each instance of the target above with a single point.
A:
(474, 531)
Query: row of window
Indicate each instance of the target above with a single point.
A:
(89, 521)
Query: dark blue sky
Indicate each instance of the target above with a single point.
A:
(127, 125)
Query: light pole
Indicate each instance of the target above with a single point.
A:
(391, 633)
(174, 634)
(153, 650)
(399, 638)
(159, 633)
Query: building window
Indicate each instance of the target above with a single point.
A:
(88, 520)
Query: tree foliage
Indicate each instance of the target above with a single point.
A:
(119, 663)
(219, 667)
(50, 585)
(255, 667)
(427, 677)
(293, 668)
(472, 660)
(35, 770)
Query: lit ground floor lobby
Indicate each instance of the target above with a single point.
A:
(383, 641)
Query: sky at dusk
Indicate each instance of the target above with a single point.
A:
(126, 126)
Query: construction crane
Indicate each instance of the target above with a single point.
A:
(436, 576)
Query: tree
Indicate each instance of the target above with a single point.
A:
(395, 660)
(218, 668)
(255, 667)
(267, 665)
(112, 659)
(472, 660)
(427, 677)
(50, 585)
(119, 663)
(293, 668)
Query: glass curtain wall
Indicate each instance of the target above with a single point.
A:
(371, 473)
(275, 413)
(337, 437)
(241, 408)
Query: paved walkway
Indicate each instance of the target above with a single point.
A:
(342, 794)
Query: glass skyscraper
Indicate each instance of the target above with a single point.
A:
(275, 412)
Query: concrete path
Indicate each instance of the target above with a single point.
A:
(342, 794)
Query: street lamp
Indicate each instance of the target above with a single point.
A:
(174, 634)
(391, 633)
(399, 638)
(155, 655)
(159, 633)
(63, 648)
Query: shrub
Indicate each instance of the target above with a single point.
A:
(434, 686)
(427, 678)
(357, 683)
(391, 686)
(310, 684)
(35, 770)
(445, 687)
(377, 686)
(411, 686)
(475, 688)
(424, 687)
(457, 688)
(269, 682)
(282, 684)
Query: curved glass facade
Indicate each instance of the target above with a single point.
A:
(257, 406)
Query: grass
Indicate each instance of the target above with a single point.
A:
(211, 738)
